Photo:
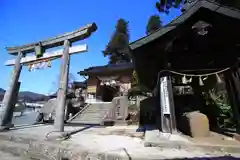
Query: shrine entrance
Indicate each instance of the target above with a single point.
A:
(39, 60)
(108, 93)
(191, 55)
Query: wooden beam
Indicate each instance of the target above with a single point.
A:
(48, 55)
(74, 36)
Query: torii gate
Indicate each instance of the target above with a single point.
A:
(23, 58)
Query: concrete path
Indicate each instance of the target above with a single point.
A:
(8, 156)
(120, 142)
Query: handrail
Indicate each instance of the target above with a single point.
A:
(84, 108)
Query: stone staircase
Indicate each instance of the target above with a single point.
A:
(92, 114)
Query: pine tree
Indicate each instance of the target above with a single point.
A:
(154, 23)
(117, 49)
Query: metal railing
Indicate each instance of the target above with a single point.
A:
(82, 110)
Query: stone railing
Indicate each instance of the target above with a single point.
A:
(110, 115)
(118, 111)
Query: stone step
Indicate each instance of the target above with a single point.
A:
(92, 115)
(91, 119)
(95, 113)
(96, 110)
(88, 119)
(88, 122)
(89, 115)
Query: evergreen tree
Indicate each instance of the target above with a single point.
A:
(154, 23)
(165, 5)
(117, 49)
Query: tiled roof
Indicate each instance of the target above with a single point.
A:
(213, 6)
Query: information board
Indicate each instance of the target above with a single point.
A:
(165, 102)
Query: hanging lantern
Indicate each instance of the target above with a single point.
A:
(205, 78)
(38, 65)
(42, 64)
(113, 82)
(39, 50)
(33, 66)
(29, 67)
(219, 80)
(201, 81)
(189, 80)
(184, 80)
(107, 83)
(49, 64)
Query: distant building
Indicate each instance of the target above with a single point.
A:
(106, 82)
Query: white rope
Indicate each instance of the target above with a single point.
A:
(200, 75)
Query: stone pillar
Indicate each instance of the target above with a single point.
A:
(167, 106)
(9, 95)
(13, 102)
(62, 90)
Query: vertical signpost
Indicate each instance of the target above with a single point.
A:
(167, 106)
(42, 57)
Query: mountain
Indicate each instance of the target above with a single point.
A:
(31, 96)
(27, 96)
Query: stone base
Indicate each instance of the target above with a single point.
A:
(57, 136)
(237, 137)
(6, 127)
(155, 138)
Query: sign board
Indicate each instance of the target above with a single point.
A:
(183, 90)
(165, 102)
(48, 55)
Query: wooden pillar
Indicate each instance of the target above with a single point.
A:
(9, 95)
(168, 119)
(62, 91)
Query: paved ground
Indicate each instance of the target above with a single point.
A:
(8, 156)
(118, 140)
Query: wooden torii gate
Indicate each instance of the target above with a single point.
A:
(23, 58)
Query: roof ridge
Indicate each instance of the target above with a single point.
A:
(197, 1)
(174, 20)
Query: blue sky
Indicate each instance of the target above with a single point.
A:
(25, 21)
